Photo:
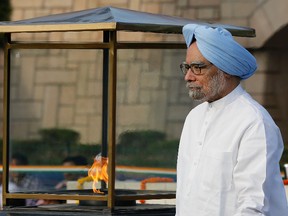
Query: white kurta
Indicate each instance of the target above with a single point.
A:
(228, 160)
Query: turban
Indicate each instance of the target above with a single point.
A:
(218, 47)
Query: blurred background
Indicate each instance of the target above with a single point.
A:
(56, 95)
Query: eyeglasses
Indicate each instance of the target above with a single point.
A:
(194, 66)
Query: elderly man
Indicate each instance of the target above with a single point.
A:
(229, 152)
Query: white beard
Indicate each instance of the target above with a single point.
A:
(216, 85)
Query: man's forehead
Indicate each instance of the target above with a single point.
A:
(194, 54)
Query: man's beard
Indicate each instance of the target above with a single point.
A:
(215, 86)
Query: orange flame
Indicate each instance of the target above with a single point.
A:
(98, 171)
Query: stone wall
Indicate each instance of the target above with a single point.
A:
(63, 88)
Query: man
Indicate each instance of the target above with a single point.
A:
(24, 182)
(77, 160)
(229, 152)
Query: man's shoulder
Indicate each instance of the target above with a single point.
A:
(253, 109)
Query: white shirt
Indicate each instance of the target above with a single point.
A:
(228, 160)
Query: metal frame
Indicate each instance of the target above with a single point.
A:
(109, 47)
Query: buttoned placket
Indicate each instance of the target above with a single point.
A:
(200, 143)
(203, 131)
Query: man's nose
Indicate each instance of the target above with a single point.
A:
(190, 76)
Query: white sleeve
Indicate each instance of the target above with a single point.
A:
(258, 160)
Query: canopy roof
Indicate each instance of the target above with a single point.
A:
(111, 18)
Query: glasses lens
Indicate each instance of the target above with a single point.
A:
(196, 69)
(184, 68)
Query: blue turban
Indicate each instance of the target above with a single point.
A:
(218, 46)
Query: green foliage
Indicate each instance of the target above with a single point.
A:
(53, 146)
(41, 153)
(5, 13)
(146, 148)
(60, 138)
(135, 148)
(55, 136)
(136, 141)
(89, 151)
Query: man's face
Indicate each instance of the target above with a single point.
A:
(207, 86)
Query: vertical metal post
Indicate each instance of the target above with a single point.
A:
(112, 78)
(104, 150)
(6, 116)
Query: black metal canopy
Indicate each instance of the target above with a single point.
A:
(111, 18)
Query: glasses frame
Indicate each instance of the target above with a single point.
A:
(195, 67)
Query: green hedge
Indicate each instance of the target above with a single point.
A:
(146, 148)
(42, 153)
(53, 146)
(135, 148)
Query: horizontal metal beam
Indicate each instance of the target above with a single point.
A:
(76, 195)
(53, 45)
(96, 45)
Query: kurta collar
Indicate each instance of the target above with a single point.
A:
(228, 98)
